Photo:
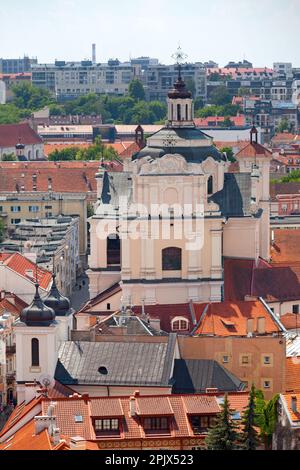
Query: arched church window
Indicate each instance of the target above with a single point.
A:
(178, 112)
(171, 259)
(210, 185)
(113, 250)
(186, 112)
(35, 352)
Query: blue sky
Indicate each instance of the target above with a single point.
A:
(262, 31)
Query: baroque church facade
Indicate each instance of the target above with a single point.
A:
(178, 178)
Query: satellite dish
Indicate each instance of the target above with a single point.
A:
(46, 380)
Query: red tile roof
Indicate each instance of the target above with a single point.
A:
(107, 408)
(92, 305)
(26, 439)
(12, 134)
(68, 176)
(230, 318)
(215, 120)
(11, 303)
(166, 313)
(177, 406)
(292, 374)
(200, 404)
(287, 398)
(285, 137)
(21, 265)
(151, 406)
(286, 246)
(253, 149)
(276, 282)
(290, 321)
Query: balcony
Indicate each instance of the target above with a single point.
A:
(11, 349)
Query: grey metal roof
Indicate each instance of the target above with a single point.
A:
(142, 363)
(115, 185)
(196, 375)
(235, 197)
(191, 154)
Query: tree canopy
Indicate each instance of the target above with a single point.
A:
(136, 90)
(94, 152)
(220, 96)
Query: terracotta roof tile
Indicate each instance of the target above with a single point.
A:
(292, 374)
(278, 281)
(68, 176)
(178, 407)
(287, 397)
(66, 411)
(215, 120)
(27, 439)
(21, 265)
(290, 321)
(200, 404)
(252, 150)
(12, 303)
(230, 318)
(154, 406)
(166, 313)
(107, 407)
(12, 134)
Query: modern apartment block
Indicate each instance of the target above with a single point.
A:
(68, 80)
(16, 65)
(158, 79)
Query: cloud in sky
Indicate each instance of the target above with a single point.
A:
(262, 31)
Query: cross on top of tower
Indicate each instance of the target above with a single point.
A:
(179, 57)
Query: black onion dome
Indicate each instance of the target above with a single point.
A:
(56, 301)
(37, 313)
(179, 90)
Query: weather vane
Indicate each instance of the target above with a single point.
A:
(180, 57)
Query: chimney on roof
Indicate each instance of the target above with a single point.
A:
(132, 406)
(294, 404)
(77, 443)
(44, 422)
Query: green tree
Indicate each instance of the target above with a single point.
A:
(249, 437)
(285, 125)
(68, 153)
(136, 90)
(9, 157)
(220, 96)
(266, 417)
(223, 435)
(227, 122)
(229, 153)
(28, 96)
(9, 114)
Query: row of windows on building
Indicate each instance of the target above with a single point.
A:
(155, 424)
